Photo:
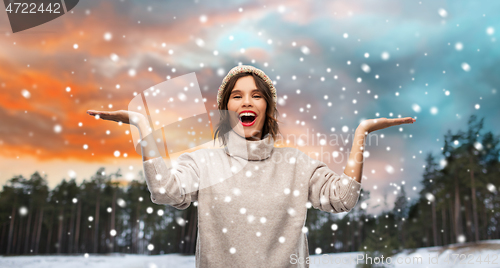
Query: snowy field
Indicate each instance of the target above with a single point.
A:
(483, 254)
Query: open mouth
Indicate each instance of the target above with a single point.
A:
(247, 119)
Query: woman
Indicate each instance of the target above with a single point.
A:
(254, 217)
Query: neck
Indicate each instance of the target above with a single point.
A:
(239, 146)
(252, 137)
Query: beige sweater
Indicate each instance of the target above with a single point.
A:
(252, 200)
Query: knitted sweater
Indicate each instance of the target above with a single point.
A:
(252, 200)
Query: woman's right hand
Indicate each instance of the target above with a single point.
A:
(124, 116)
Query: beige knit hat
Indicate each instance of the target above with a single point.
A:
(245, 69)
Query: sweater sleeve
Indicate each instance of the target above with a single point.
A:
(176, 186)
(331, 192)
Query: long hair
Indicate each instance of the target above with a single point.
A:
(271, 122)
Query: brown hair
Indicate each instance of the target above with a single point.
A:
(270, 124)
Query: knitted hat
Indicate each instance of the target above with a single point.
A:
(245, 69)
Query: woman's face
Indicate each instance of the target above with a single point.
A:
(246, 97)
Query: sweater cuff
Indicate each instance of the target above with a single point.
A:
(150, 167)
(353, 190)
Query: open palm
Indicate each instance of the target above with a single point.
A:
(371, 125)
(124, 116)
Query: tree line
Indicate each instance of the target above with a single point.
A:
(459, 202)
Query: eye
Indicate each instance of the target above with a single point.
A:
(236, 97)
(258, 96)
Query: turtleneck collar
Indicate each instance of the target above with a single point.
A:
(247, 149)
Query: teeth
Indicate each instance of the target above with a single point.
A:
(247, 114)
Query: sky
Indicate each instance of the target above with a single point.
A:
(334, 64)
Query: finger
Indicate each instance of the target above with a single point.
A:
(103, 113)
(391, 122)
(408, 120)
(106, 115)
(400, 121)
(99, 114)
(93, 112)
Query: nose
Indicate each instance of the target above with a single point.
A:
(247, 101)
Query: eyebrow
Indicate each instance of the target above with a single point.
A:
(239, 91)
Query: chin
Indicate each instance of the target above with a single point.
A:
(251, 133)
(247, 132)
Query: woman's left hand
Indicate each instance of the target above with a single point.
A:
(371, 125)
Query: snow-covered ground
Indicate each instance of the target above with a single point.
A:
(100, 261)
(483, 254)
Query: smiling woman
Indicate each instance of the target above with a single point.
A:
(244, 93)
(248, 102)
(253, 197)
(253, 212)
